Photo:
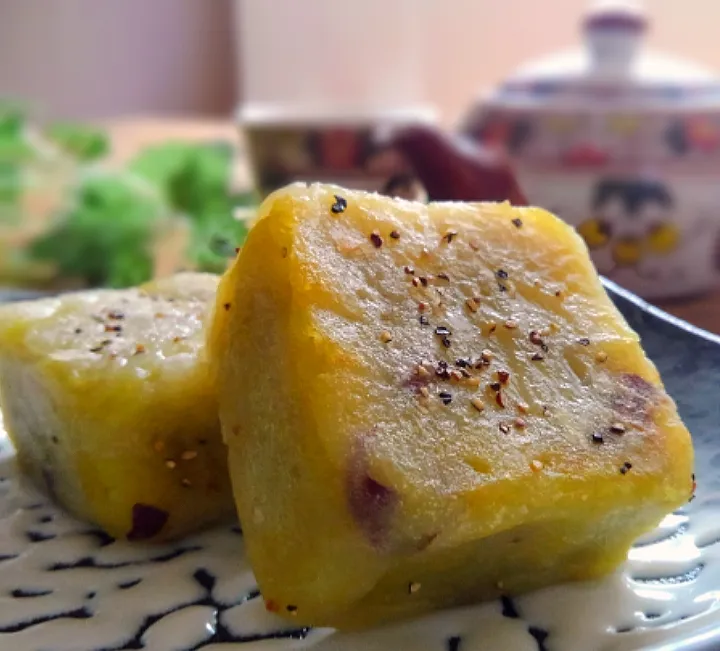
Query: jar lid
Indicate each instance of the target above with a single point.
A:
(613, 67)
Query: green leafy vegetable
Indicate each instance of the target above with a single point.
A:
(107, 237)
(83, 142)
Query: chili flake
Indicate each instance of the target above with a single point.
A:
(500, 399)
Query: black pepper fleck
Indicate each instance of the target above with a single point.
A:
(376, 239)
(449, 236)
(584, 341)
(597, 437)
(446, 397)
(226, 306)
(424, 320)
(339, 205)
(446, 342)
(462, 363)
(505, 429)
(78, 331)
(538, 357)
(395, 235)
(423, 281)
(625, 467)
(495, 386)
(409, 271)
(517, 222)
(501, 273)
(502, 287)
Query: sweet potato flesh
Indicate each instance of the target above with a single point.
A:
(108, 399)
(431, 405)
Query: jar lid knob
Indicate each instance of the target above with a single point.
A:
(613, 33)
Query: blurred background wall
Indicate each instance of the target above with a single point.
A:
(105, 58)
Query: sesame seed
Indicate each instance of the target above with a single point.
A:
(413, 587)
(178, 339)
(477, 403)
(536, 465)
(445, 396)
(376, 239)
(96, 349)
(505, 429)
(601, 356)
(517, 222)
(169, 463)
(474, 245)
(395, 235)
(584, 341)
(597, 437)
(472, 381)
(510, 324)
(617, 428)
(339, 205)
(472, 304)
(188, 455)
(385, 337)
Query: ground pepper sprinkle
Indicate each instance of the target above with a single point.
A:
(517, 222)
(339, 206)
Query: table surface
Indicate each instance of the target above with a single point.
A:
(130, 135)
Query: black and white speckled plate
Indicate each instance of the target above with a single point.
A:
(67, 587)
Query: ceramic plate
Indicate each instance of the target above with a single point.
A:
(65, 586)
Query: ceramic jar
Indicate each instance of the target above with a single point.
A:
(624, 144)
